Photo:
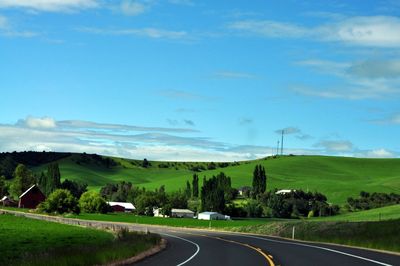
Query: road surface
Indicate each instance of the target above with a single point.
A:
(204, 247)
(201, 247)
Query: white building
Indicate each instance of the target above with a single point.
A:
(182, 213)
(121, 206)
(285, 191)
(157, 212)
(212, 216)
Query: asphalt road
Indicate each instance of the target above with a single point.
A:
(204, 247)
(200, 247)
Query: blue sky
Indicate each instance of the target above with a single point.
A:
(200, 80)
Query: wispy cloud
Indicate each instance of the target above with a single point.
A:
(182, 95)
(7, 29)
(134, 7)
(335, 145)
(154, 33)
(373, 31)
(50, 5)
(357, 80)
(288, 130)
(391, 119)
(376, 153)
(245, 121)
(233, 75)
(182, 2)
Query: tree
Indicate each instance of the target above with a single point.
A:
(92, 202)
(60, 201)
(195, 186)
(23, 179)
(145, 163)
(76, 189)
(259, 181)
(53, 178)
(212, 196)
(188, 190)
(3, 187)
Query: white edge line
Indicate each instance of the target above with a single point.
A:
(187, 240)
(317, 247)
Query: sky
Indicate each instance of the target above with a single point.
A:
(187, 80)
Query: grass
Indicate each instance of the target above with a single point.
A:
(378, 214)
(176, 222)
(32, 242)
(336, 177)
(382, 235)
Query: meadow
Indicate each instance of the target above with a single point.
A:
(32, 242)
(336, 177)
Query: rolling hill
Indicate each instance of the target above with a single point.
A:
(336, 177)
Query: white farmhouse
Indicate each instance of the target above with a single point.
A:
(284, 191)
(121, 206)
(212, 216)
(182, 213)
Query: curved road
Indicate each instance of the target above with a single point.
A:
(204, 247)
(201, 247)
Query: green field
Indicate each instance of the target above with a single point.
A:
(32, 242)
(336, 177)
(378, 214)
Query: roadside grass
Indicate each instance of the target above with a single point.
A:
(27, 241)
(176, 222)
(379, 214)
(382, 235)
(336, 177)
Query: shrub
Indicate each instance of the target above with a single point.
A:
(60, 201)
(92, 202)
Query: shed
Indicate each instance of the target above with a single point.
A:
(31, 198)
(121, 206)
(6, 201)
(212, 216)
(182, 213)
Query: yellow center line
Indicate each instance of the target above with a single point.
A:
(259, 250)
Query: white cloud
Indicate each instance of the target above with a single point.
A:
(335, 146)
(50, 5)
(3, 22)
(154, 33)
(374, 31)
(392, 119)
(34, 122)
(233, 75)
(376, 69)
(377, 153)
(133, 7)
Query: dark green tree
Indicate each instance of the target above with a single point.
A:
(23, 179)
(76, 189)
(92, 202)
(53, 181)
(3, 187)
(212, 196)
(195, 186)
(259, 181)
(188, 190)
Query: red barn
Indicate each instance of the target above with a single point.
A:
(31, 198)
(121, 206)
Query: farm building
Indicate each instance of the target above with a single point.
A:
(244, 190)
(212, 216)
(182, 213)
(121, 206)
(31, 198)
(284, 191)
(8, 202)
(157, 212)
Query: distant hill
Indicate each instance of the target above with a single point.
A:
(336, 177)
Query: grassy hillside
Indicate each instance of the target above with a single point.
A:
(337, 177)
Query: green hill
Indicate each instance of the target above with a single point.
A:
(336, 177)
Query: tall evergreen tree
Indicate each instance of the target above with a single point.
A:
(53, 178)
(212, 195)
(195, 186)
(259, 180)
(188, 190)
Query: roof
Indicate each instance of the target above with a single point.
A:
(4, 198)
(126, 205)
(181, 210)
(23, 194)
(284, 191)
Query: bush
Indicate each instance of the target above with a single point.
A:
(92, 202)
(60, 201)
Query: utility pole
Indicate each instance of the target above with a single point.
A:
(282, 142)
(277, 149)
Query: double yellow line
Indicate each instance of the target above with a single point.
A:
(265, 255)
